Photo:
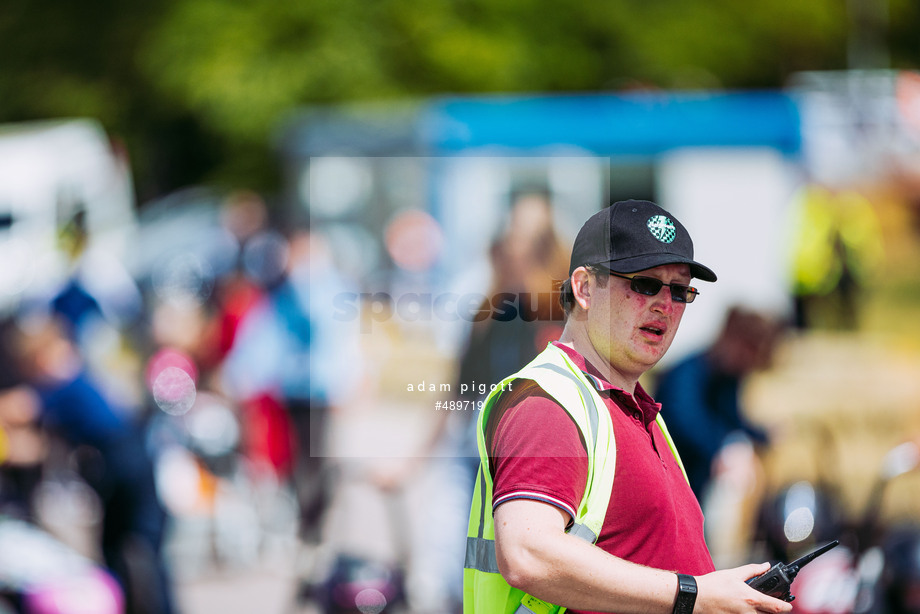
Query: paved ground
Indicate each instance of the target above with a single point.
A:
(261, 573)
(250, 592)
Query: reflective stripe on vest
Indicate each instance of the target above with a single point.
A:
(485, 590)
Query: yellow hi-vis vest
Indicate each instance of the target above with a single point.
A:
(485, 591)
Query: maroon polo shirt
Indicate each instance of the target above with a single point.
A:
(537, 453)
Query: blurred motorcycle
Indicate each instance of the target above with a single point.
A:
(227, 508)
(876, 570)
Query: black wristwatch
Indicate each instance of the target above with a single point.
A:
(686, 594)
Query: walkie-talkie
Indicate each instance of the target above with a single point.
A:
(777, 581)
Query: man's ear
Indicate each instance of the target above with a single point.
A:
(582, 286)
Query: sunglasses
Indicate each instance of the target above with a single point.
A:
(649, 286)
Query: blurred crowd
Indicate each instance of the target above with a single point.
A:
(185, 405)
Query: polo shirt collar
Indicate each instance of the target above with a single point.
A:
(642, 399)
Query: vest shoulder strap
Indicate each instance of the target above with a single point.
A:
(559, 377)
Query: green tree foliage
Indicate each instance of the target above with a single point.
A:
(197, 86)
(78, 59)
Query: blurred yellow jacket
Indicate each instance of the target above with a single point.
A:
(834, 232)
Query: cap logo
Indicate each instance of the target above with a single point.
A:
(662, 228)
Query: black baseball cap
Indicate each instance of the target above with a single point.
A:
(635, 235)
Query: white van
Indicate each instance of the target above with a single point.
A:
(51, 173)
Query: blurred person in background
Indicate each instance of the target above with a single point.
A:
(705, 390)
(290, 351)
(528, 261)
(837, 242)
(244, 216)
(220, 419)
(22, 446)
(98, 303)
(109, 449)
(246, 301)
(97, 290)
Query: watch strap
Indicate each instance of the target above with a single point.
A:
(686, 594)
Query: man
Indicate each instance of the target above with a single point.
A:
(580, 502)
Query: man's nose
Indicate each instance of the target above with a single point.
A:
(662, 302)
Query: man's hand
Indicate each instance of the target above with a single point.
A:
(725, 592)
(535, 555)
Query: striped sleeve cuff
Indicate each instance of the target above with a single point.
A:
(535, 496)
